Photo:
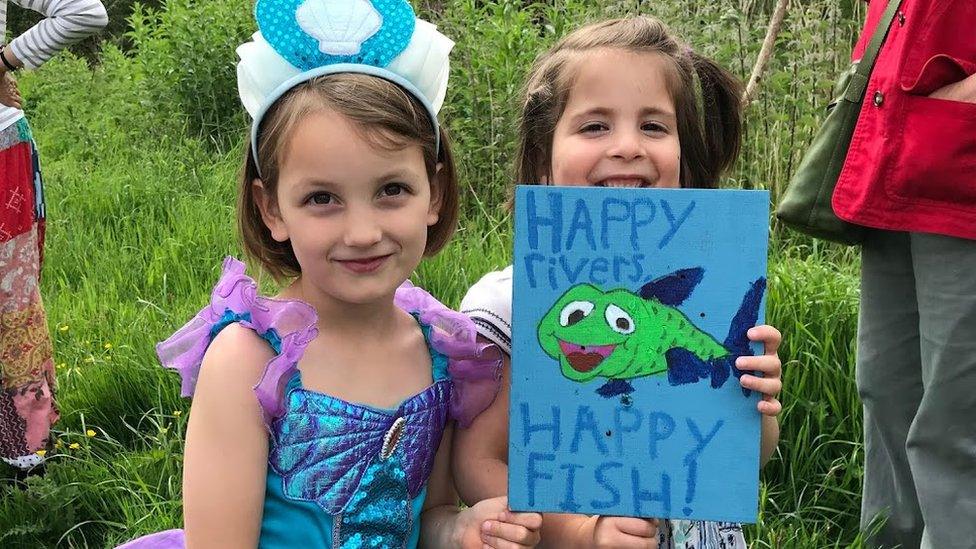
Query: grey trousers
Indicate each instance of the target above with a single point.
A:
(916, 374)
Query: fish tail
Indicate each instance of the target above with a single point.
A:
(737, 342)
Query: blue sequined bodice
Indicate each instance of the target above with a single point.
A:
(363, 469)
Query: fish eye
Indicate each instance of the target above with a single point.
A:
(574, 312)
(619, 320)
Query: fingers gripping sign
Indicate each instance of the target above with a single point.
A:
(512, 530)
(490, 524)
(768, 365)
(626, 532)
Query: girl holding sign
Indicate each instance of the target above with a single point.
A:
(615, 104)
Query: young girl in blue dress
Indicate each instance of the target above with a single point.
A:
(323, 417)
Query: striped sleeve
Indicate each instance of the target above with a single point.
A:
(65, 22)
(489, 305)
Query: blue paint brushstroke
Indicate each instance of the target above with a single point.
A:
(673, 289)
(615, 387)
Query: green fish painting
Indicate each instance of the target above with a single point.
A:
(620, 335)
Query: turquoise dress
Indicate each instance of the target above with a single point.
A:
(340, 474)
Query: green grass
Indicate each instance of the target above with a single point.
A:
(140, 156)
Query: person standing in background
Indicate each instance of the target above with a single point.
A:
(910, 176)
(27, 408)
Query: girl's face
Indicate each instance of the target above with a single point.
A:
(619, 127)
(356, 215)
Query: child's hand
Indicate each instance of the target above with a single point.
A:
(769, 365)
(9, 93)
(490, 524)
(625, 533)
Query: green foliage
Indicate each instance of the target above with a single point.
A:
(186, 51)
(813, 486)
(96, 488)
(140, 155)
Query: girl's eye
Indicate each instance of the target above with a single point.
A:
(654, 127)
(593, 127)
(321, 199)
(393, 189)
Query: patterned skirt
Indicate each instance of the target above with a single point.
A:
(27, 408)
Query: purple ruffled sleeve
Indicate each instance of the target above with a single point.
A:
(235, 299)
(475, 367)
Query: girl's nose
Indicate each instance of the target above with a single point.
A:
(362, 230)
(627, 145)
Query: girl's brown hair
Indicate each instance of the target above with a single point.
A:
(710, 134)
(388, 116)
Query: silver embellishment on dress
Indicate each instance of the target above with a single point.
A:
(336, 528)
(392, 438)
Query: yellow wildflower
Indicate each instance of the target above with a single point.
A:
(64, 328)
(178, 413)
(58, 443)
(74, 446)
(90, 433)
(90, 359)
(108, 346)
(41, 452)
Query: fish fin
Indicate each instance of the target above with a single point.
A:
(685, 367)
(673, 289)
(720, 368)
(615, 387)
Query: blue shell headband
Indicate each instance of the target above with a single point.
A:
(302, 39)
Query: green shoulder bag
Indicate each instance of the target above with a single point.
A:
(806, 204)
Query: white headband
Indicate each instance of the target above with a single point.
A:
(301, 39)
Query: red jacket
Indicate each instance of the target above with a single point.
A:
(911, 165)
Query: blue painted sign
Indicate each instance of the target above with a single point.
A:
(630, 307)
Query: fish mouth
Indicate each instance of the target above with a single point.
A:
(584, 358)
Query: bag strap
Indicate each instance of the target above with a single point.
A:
(859, 80)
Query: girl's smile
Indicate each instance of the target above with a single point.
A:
(363, 265)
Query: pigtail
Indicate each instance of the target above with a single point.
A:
(534, 136)
(545, 92)
(721, 117)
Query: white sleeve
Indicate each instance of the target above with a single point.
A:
(65, 22)
(489, 305)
